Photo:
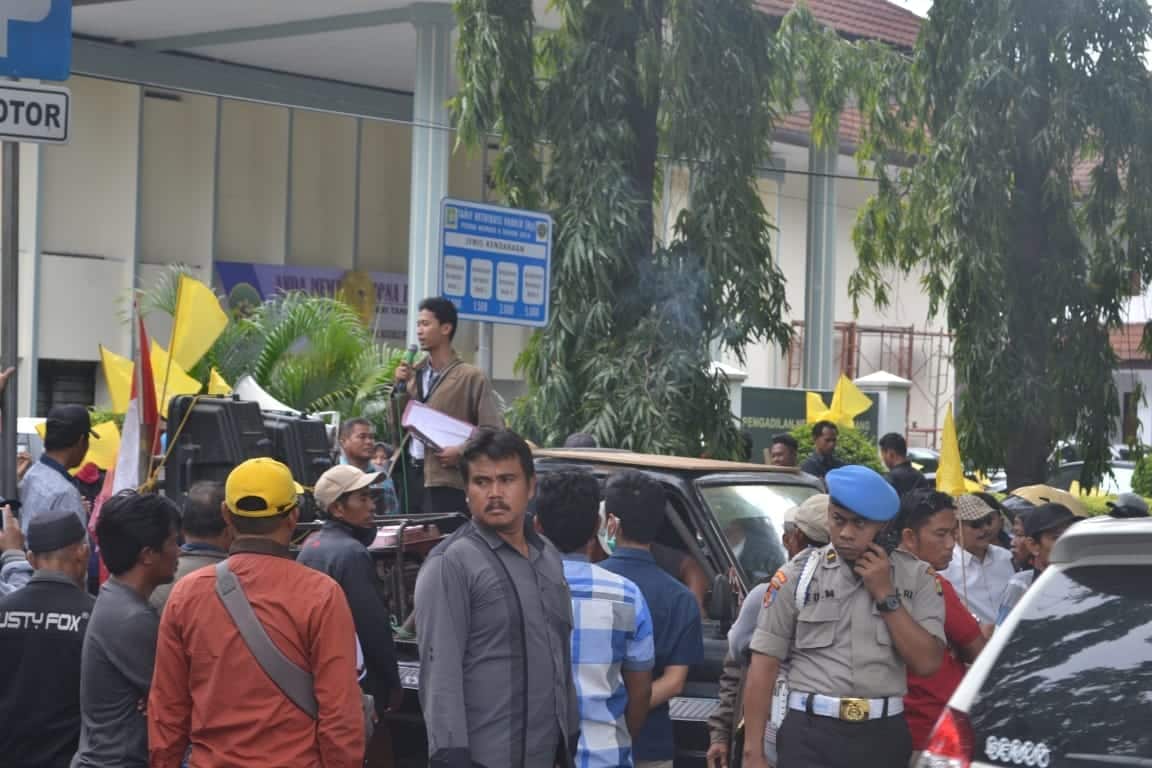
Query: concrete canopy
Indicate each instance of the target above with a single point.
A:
(363, 42)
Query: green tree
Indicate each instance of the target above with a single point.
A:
(1000, 111)
(627, 353)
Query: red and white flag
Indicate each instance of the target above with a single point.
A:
(139, 425)
(139, 420)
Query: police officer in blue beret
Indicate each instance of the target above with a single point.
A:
(852, 618)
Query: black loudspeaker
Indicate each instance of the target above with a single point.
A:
(218, 433)
(302, 444)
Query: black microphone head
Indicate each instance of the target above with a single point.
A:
(413, 349)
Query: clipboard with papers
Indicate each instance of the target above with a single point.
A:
(435, 429)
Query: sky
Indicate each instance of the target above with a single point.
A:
(919, 6)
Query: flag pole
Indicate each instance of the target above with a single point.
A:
(144, 448)
(160, 409)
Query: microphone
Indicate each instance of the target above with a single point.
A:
(409, 358)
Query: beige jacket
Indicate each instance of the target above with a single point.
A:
(463, 393)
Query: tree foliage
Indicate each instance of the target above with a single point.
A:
(1025, 204)
(635, 316)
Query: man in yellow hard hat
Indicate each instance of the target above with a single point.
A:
(207, 659)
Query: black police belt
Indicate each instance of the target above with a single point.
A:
(851, 710)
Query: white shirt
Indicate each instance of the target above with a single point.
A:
(981, 585)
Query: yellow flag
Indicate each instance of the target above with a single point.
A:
(178, 380)
(197, 323)
(217, 385)
(950, 472)
(848, 402)
(816, 409)
(103, 452)
(118, 376)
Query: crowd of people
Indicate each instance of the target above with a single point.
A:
(553, 628)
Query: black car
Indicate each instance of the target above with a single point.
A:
(728, 517)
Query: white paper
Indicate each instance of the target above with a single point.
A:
(437, 429)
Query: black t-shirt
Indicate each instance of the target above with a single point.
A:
(819, 465)
(42, 630)
(905, 477)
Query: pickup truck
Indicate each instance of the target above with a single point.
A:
(727, 516)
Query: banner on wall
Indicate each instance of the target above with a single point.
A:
(768, 411)
(381, 298)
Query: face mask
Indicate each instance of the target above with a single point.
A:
(607, 540)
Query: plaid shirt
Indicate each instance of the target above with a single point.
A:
(612, 631)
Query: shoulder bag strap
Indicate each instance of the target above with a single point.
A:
(806, 578)
(293, 682)
(439, 380)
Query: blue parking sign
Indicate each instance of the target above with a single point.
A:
(36, 38)
(496, 263)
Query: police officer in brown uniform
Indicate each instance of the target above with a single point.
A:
(851, 619)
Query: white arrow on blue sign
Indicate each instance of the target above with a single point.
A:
(36, 39)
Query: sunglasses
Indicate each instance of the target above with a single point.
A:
(983, 522)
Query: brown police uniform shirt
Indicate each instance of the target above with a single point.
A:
(837, 643)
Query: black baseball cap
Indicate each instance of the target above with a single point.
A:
(54, 529)
(68, 423)
(1048, 517)
(1129, 505)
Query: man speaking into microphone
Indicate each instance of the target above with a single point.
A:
(444, 382)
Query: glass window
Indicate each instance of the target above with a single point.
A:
(752, 518)
(1075, 679)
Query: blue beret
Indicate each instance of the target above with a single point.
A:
(864, 492)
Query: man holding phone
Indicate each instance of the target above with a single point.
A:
(851, 619)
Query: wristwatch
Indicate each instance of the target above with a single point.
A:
(888, 604)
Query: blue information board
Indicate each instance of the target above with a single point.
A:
(495, 263)
(36, 39)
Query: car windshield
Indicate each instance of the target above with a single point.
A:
(1075, 678)
(1117, 479)
(752, 518)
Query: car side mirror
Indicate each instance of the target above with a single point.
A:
(722, 606)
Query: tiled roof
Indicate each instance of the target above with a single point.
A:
(798, 126)
(869, 19)
(1126, 342)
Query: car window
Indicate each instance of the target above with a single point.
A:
(1074, 681)
(751, 515)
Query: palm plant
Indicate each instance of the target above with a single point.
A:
(313, 353)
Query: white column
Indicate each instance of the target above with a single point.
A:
(30, 198)
(820, 271)
(430, 152)
(892, 404)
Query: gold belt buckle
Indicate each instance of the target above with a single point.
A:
(854, 710)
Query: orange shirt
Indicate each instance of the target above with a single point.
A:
(209, 691)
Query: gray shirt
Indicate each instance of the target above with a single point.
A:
(190, 560)
(740, 633)
(46, 488)
(115, 674)
(494, 630)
